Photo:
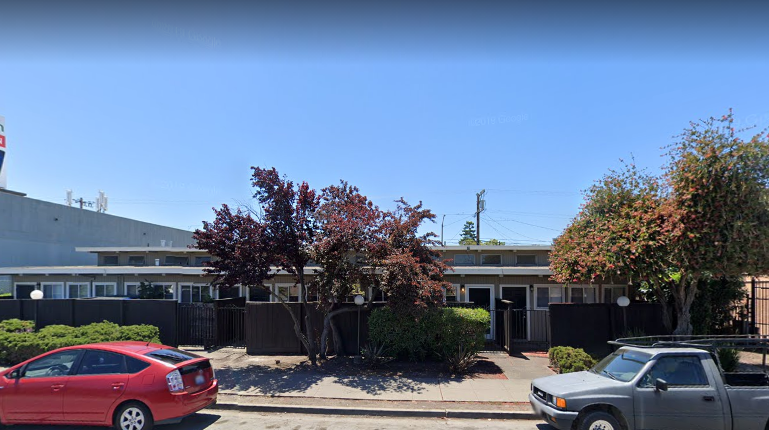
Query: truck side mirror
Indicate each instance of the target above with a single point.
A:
(660, 385)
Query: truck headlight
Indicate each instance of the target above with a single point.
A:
(560, 402)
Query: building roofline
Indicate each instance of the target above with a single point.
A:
(116, 249)
(494, 248)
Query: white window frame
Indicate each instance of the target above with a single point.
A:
(454, 287)
(27, 284)
(549, 294)
(127, 285)
(106, 284)
(472, 256)
(80, 284)
(192, 285)
(517, 263)
(278, 286)
(60, 285)
(613, 287)
(584, 288)
(491, 255)
(170, 285)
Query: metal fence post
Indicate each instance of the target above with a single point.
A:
(752, 328)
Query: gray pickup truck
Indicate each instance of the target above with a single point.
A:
(654, 388)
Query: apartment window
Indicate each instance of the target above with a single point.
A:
(194, 293)
(110, 260)
(104, 289)
(582, 294)
(173, 260)
(526, 260)
(450, 293)
(136, 260)
(612, 293)
(258, 294)
(200, 260)
(288, 292)
(132, 290)
(53, 290)
(491, 260)
(547, 295)
(6, 285)
(464, 260)
(78, 290)
(23, 290)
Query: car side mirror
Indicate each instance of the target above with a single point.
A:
(660, 385)
(14, 375)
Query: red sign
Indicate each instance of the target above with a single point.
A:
(2, 141)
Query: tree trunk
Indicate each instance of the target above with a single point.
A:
(330, 326)
(338, 343)
(312, 346)
(667, 319)
(684, 299)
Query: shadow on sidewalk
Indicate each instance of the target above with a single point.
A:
(266, 380)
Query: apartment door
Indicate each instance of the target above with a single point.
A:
(483, 297)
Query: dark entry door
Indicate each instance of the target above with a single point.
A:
(481, 297)
(517, 295)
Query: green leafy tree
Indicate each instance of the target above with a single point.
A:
(468, 234)
(705, 218)
(469, 238)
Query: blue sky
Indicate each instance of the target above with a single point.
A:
(167, 112)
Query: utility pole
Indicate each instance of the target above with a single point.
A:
(442, 242)
(480, 206)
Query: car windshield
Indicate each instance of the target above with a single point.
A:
(171, 355)
(621, 365)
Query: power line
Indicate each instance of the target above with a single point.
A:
(533, 225)
(515, 232)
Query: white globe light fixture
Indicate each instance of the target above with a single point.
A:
(623, 301)
(359, 300)
(36, 295)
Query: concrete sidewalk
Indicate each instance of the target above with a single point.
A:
(267, 383)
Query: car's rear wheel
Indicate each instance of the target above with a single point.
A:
(133, 416)
(600, 421)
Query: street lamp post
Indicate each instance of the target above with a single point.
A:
(359, 300)
(623, 302)
(36, 295)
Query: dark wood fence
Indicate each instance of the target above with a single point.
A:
(590, 326)
(78, 312)
(270, 329)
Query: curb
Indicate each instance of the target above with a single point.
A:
(383, 412)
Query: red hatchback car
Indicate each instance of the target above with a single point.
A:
(128, 385)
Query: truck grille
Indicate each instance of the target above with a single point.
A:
(539, 393)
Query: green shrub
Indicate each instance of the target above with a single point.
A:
(729, 358)
(17, 346)
(16, 325)
(434, 334)
(567, 359)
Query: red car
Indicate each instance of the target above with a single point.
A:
(128, 385)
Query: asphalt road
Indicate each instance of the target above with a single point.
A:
(227, 420)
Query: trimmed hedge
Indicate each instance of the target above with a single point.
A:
(19, 343)
(567, 359)
(434, 334)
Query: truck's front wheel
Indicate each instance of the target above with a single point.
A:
(598, 420)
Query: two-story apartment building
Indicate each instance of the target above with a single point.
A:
(480, 274)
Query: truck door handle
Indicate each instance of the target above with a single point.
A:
(709, 398)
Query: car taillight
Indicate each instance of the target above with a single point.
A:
(175, 383)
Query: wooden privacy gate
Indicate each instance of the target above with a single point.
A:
(211, 324)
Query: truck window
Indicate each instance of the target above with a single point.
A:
(679, 371)
(621, 365)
